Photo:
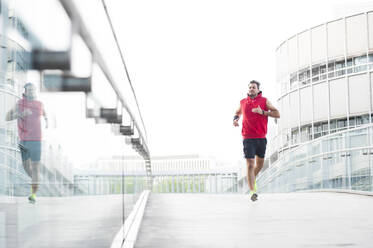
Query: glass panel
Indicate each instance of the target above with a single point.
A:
(331, 66)
(305, 134)
(360, 171)
(60, 172)
(365, 119)
(314, 173)
(315, 70)
(339, 68)
(350, 63)
(293, 81)
(370, 58)
(325, 128)
(333, 125)
(322, 69)
(360, 60)
(341, 123)
(314, 148)
(352, 121)
(323, 72)
(294, 136)
(359, 120)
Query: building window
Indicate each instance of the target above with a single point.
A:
(361, 62)
(331, 69)
(365, 119)
(315, 73)
(342, 123)
(323, 72)
(352, 122)
(293, 80)
(325, 128)
(334, 69)
(317, 130)
(359, 121)
(339, 68)
(333, 126)
(370, 61)
(349, 65)
(315, 70)
(302, 76)
(2, 136)
(331, 66)
(305, 134)
(294, 136)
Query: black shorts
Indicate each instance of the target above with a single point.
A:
(30, 150)
(252, 147)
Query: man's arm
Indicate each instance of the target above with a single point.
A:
(12, 114)
(237, 116)
(45, 117)
(273, 112)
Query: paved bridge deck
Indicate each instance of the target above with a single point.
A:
(276, 220)
(62, 222)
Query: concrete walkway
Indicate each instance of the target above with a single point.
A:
(275, 220)
(62, 222)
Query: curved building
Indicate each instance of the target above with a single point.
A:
(325, 79)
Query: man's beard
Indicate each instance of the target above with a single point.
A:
(252, 95)
(30, 97)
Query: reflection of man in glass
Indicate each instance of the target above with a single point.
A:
(28, 112)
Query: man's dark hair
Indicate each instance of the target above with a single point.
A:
(255, 82)
(28, 84)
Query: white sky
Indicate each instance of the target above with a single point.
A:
(190, 62)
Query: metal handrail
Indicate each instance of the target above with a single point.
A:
(74, 15)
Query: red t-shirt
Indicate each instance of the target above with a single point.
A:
(29, 126)
(254, 125)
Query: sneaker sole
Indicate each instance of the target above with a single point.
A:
(254, 197)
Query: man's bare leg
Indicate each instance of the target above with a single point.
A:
(258, 165)
(27, 166)
(250, 162)
(35, 177)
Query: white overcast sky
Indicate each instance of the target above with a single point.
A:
(190, 61)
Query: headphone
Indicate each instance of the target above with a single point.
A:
(25, 86)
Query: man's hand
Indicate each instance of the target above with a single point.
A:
(25, 113)
(257, 110)
(235, 123)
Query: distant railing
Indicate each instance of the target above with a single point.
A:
(341, 160)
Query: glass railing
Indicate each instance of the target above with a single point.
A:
(337, 161)
(56, 188)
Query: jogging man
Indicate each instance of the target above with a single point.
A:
(28, 112)
(255, 110)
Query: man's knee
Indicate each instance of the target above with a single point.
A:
(250, 163)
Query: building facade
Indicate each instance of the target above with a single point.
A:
(325, 81)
